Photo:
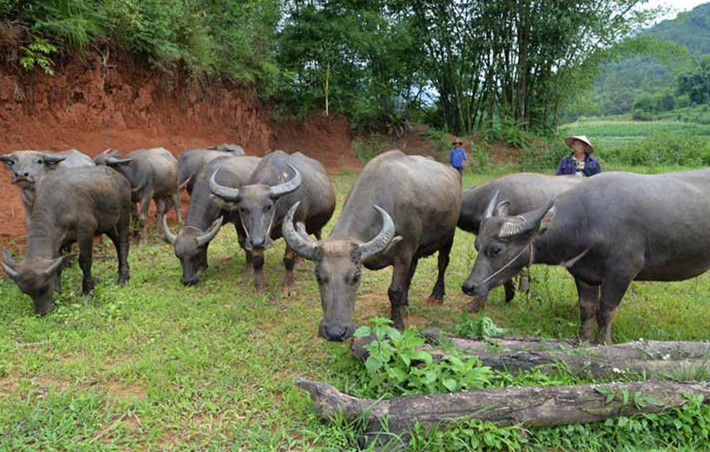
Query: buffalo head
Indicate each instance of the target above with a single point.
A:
(504, 245)
(256, 204)
(338, 267)
(191, 248)
(34, 277)
(26, 168)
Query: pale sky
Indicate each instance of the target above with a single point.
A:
(676, 6)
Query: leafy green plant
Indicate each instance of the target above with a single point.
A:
(37, 54)
(397, 365)
(481, 328)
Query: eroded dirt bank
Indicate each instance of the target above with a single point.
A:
(100, 103)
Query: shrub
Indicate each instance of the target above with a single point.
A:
(543, 156)
(641, 115)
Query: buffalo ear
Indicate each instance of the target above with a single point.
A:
(547, 219)
(6, 159)
(502, 209)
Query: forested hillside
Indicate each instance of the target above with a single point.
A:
(462, 66)
(670, 71)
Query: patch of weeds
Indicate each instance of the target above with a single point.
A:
(481, 328)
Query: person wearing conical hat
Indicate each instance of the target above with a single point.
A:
(580, 162)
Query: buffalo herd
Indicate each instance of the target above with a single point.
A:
(607, 230)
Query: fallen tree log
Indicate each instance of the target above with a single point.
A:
(530, 406)
(684, 360)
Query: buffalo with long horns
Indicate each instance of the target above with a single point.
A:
(280, 181)
(29, 168)
(402, 208)
(205, 216)
(153, 174)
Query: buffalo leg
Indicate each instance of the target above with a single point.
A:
(318, 234)
(241, 238)
(121, 243)
(177, 207)
(412, 271)
(289, 262)
(614, 287)
(143, 215)
(86, 243)
(398, 289)
(439, 290)
(258, 266)
(509, 287)
(588, 301)
(162, 205)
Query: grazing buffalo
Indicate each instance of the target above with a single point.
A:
(523, 192)
(205, 217)
(280, 181)
(153, 175)
(74, 205)
(28, 168)
(191, 162)
(612, 229)
(402, 208)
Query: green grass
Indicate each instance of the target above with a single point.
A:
(615, 134)
(158, 366)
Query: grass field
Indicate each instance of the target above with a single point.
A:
(608, 134)
(158, 366)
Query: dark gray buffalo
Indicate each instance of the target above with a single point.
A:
(153, 175)
(402, 208)
(205, 216)
(522, 192)
(191, 162)
(74, 205)
(28, 168)
(280, 181)
(612, 229)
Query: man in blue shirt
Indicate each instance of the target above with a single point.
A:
(457, 157)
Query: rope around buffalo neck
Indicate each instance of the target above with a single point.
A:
(497, 272)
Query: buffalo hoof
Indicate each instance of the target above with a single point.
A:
(123, 280)
(433, 301)
(475, 305)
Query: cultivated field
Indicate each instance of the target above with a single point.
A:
(158, 366)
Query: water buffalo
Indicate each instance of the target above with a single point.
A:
(402, 208)
(280, 181)
(28, 168)
(191, 162)
(205, 217)
(74, 205)
(153, 175)
(523, 193)
(612, 229)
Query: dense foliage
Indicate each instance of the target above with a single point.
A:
(457, 65)
(667, 73)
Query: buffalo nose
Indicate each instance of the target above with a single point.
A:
(258, 243)
(335, 333)
(468, 289)
(189, 281)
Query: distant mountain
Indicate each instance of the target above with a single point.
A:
(639, 79)
(690, 29)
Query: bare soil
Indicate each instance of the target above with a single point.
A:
(93, 104)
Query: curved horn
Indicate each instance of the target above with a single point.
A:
(56, 263)
(380, 242)
(6, 158)
(303, 246)
(224, 192)
(491, 206)
(288, 186)
(8, 263)
(106, 151)
(530, 221)
(113, 161)
(209, 234)
(167, 235)
(53, 159)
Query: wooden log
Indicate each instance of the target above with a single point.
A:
(684, 360)
(530, 406)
